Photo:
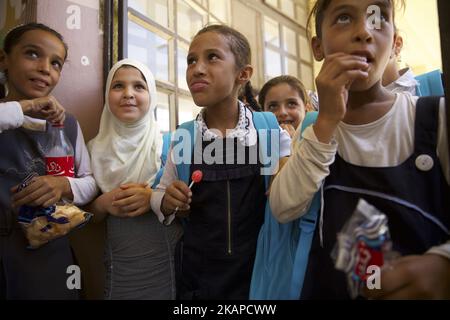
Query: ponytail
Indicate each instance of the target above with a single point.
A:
(249, 96)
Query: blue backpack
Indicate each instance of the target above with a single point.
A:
(164, 153)
(283, 250)
(430, 84)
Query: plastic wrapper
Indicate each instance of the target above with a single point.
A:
(42, 225)
(364, 241)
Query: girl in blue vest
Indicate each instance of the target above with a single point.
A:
(389, 149)
(125, 161)
(32, 60)
(226, 209)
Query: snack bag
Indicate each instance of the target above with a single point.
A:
(42, 225)
(364, 241)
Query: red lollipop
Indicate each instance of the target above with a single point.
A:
(196, 177)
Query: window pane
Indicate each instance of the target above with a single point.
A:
(273, 64)
(213, 20)
(290, 44)
(157, 10)
(189, 20)
(287, 7)
(220, 8)
(150, 49)
(162, 113)
(182, 66)
(271, 32)
(307, 76)
(187, 110)
(302, 15)
(273, 3)
(292, 67)
(202, 2)
(305, 50)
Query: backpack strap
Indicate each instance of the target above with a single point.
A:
(264, 122)
(307, 225)
(164, 153)
(184, 137)
(430, 84)
(426, 125)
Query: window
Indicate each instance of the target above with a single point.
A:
(220, 9)
(158, 33)
(162, 111)
(288, 8)
(189, 20)
(286, 48)
(156, 10)
(294, 9)
(280, 50)
(150, 48)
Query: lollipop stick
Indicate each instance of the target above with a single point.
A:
(196, 177)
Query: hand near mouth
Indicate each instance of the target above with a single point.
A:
(289, 128)
(338, 73)
(47, 108)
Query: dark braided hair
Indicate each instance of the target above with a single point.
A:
(249, 94)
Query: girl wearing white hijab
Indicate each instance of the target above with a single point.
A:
(125, 158)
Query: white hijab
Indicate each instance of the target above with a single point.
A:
(123, 153)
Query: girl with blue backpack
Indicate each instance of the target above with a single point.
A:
(388, 149)
(224, 212)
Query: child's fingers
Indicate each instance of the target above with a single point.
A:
(58, 118)
(44, 200)
(334, 67)
(124, 202)
(136, 213)
(130, 208)
(173, 203)
(28, 196)
(133, 185)
(51, 201)
(348, 77)
(181, 185)
(180, 191)
(335, 71)
(123, 194)
(347, 66)
(340, 56)
(393, 278)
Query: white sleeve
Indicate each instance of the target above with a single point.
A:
(301, 177)
(170, 175)
(11, 115)
(442, 250)
(442, 147)
(285, 143)
(84, 188)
